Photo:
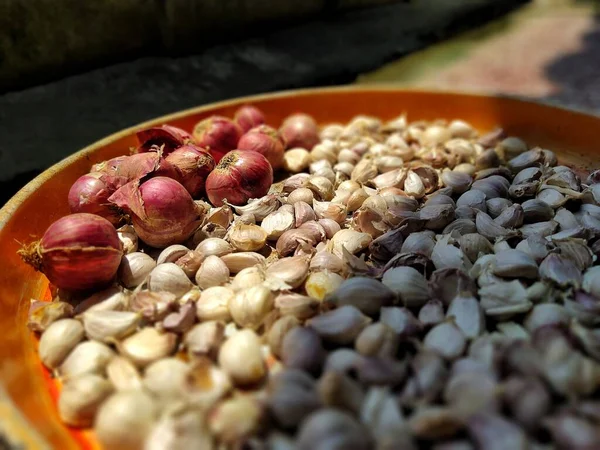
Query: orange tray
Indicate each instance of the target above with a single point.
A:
(27, 394)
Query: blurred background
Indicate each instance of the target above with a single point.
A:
(72, 71)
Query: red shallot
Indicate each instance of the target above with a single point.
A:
(218, 134)
(194, 164)
(89, 194)
(266, 141)
(300, 130)
(239, 176)
(77, 252)
(248, 117)
(162, 210)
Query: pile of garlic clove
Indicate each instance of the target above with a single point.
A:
(406, 285)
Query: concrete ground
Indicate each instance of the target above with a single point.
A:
(548, 50)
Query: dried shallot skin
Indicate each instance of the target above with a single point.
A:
(90, 193)
(120, 171)
(194, 164)
(167, 138)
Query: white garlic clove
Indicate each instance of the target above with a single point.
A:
(80, 399)
(364, 171)
(250, 307)
(43, 314)
(214, 246)
(213, 304)
(320, 163)
(413, 185)
(167, 378)
(208, 384)
(212, 272)
(260, 207)
(59, 339)
(356, 199)
(222, 216)
(321, 187)
(147, 346)
(135, 268)
(300, 306)
(105, 326)
(247, 238)
(86, 357)
(353, 241)
(241, 358)
(111, 299)
(248, 277)
(205, 339)
(320, 284)
(348, 186)
(172, 253)
(153, 306)
(236, 262)
(328, 210)
(323, 152)
(235, 418)
(128, 239)
(327, 261)
(278, 222)
(180, 429)
(303, 213)
(388, 163)
(123, 374)
(169, 277)
(301, 194)
(394, 178)
(342, 170)
(291, 240)
(287, 273)
(296, 160)
(125, 419)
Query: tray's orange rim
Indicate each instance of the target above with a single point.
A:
(18, 199)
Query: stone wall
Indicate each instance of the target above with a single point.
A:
(46, 39)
